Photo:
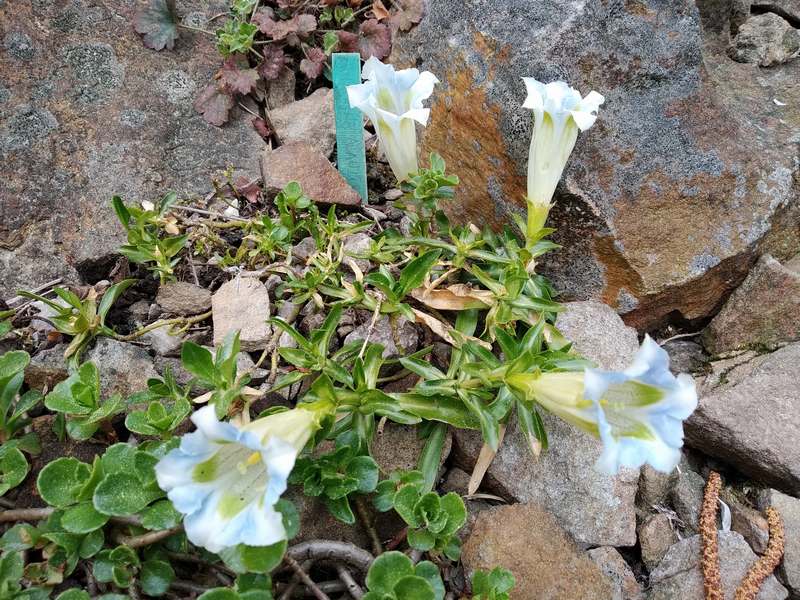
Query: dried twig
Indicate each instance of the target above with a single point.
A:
(184, 323)
(307, 581)
(764, 566)
(187, 586)
(137, 541)
(709, 558)
(367, 521)
(25, 514)
(350, 584)
(318, 550)
(288, 592)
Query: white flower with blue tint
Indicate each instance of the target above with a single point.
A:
(559, 113)
(226, 479)
(637, 413)
(392, 100)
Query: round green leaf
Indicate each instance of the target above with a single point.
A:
(13, 469)
(453, 505)
(91, 544)
(219, 594)
(253, 559)
(60, 481)
(365, 470)
(156, 577)
(291, 518)
(161, 515)
(421, 539)
(430, 573)
(120, 494)
(412, 587)
(73, 594)
(12, 363)
(387, 570)
(82, 518)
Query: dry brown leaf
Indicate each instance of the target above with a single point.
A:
(445, 331)
(379, 10)
(454, 297)
(485, 459)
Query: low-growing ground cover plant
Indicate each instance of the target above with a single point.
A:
(185, 499)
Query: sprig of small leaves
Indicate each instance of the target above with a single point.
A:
(82, 319)
(153, 238)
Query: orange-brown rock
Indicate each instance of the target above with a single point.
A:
(687, 176)
(545, 562)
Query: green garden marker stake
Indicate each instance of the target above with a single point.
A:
(349, 123)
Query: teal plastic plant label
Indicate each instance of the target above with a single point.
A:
(349, 123)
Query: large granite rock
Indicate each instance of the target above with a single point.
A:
(749, 418)
(527, 540)
(763, 311)
(595, 508)
(666, 199)
(766, 40)
(87, 112)
(678, 575)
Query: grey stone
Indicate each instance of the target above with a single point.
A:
(455, 480)
(748, 420)
(747, 521)
(595, 508)
(761, 312)
(611, 563)
(766, 40)
(124, 368)
(242, 304)
(685, 134)
(318, 178)
(598, 333)
(93, 114)
(398, 447)
(788, 9)
(308, 120)
(47, 368)
(357, 245)
(656, 537)
(678, 575)
(182, 298)
(280, 92)
(685, 356)
(789, 509)
(687, 498)
(163, 343)
(654, 487)
(398, 336)
(303, 249)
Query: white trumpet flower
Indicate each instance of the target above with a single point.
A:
(392, 100)
(226, 479)
(637, 413)
(559, 113)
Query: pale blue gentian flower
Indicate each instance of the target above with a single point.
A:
(637, 413)
(226, 479)
(392, 100)
(559, 113)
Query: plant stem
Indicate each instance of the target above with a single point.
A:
(25, 514)
(183, 321)
(367, 522)
(347, 579)
(189, 27)
(329, 550)
(137, 541)
(307, 581)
